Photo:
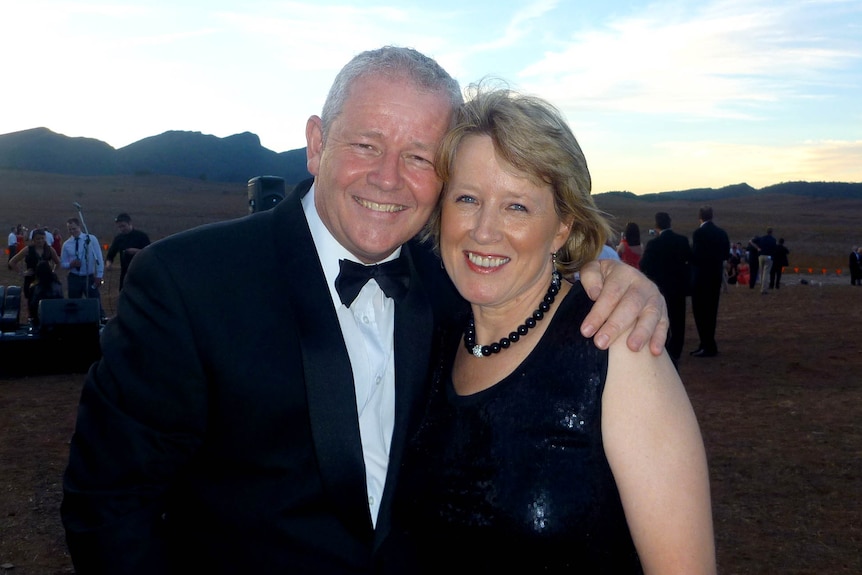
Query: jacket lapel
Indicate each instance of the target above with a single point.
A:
(328, 375)
(414, 332)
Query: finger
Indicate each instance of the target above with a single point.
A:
(651, 327)
(631, 309)
(659, 336)
(607, 297)
(592, 279)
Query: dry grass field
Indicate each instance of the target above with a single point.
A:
(779, 407)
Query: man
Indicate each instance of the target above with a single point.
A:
(765, 246)
(127, 243)
(246, 415)
(710, 249)
(779, 262)
(855, 265)
(666, 261)
(12, 243)
(82, 256)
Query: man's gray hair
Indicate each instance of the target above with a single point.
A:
(423, 71)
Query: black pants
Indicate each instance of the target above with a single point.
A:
(84, 287)
(704, 307)
(775, 276)
(676, 332)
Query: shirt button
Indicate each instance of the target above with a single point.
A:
(365, 319)
(371, 500)
(377, 380)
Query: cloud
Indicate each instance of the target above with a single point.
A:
(726, 60)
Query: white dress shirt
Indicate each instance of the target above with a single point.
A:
(368, 327)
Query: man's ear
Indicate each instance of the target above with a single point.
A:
(314, 144)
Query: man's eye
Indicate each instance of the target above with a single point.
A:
(466, 199)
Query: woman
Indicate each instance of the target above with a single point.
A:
(536, 448)
(57, 244)
(37, 251)
(45, 286)
(630, 248)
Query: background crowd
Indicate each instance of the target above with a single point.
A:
(40, 252)
(702, 265)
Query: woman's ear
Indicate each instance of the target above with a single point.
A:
(563, 233)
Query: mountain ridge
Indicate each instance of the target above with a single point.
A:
(240, 157)
(236, 158)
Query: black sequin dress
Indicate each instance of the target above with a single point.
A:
(515, 476)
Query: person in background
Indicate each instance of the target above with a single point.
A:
(667, 262)
(753, 264)
(732, 266)
(765, 248)
(854, 263)
(742, 274)
(126, 244)
(709, 250)
(536, 448)
(249, 424)
(45, 286)
(36, 252)
(49, 237)
(12, 244)
(23, 237)
(82, 256)
(57, 244)
(737, 253)
(630, 248)
(779, 262)
(609, 252)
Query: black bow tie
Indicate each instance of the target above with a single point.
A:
(392, 277)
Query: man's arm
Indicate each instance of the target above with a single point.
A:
(624, 297)
(139, 422)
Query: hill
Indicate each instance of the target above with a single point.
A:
(239, 157)
(236, 158)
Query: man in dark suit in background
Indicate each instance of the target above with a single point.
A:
(126, 244)
(710, 249)
(248, 415)
(666, 261)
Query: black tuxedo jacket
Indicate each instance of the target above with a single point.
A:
(666, 261)
(219, 431)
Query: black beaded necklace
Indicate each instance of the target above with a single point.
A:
(515, 336)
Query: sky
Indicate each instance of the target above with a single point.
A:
(662, 96)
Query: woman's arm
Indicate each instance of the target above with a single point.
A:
(13, 261)
(655, 450)
(54, 256)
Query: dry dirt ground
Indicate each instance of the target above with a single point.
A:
(779, 408)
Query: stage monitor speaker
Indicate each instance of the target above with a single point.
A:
(10, 309)
(264, 192)
(69, 330)
(65, 312)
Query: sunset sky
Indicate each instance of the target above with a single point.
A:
(663, 95)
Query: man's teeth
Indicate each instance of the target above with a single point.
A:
(391, 208)
(486, 261)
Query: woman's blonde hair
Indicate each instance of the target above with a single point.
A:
(531, 135)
